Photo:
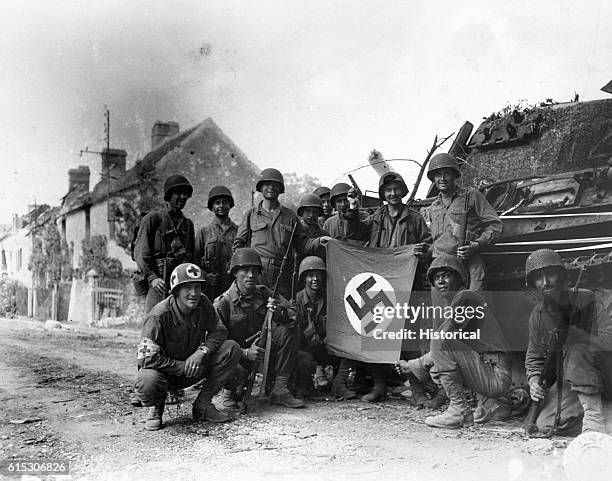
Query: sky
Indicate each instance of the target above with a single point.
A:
(304, 86)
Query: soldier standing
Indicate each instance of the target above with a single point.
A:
(338, 224)
(323, 193)
(310, 210)
(267, 228)
(165, 240)
(392, 225)
(213, 244)
(183, 342)
(586, 350)
(456, 209)
(242, 308)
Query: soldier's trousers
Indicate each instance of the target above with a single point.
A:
(152, 385)
(270, 273)
(489, 374)
(152, 299)
(283, 355)
(581, 374)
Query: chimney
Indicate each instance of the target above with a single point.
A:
(162, 131)
(79, 178)
(113, 160)
(17, 223)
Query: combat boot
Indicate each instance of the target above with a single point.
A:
(593, 412)
(320, 379)
(282, 396)
(154, 421)
(489, 409)
(459, 414)
(417, 389)
(338, 388)
(378, 391)
(204, 409)
(437, 400)
(227, 399)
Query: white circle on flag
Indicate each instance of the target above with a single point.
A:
(378, 292)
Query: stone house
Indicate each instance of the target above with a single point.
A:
(113, 207)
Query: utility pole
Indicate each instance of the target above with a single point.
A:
(106, 174)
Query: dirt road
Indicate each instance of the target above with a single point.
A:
(64, 395)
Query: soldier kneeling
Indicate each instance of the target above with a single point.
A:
(469, 352)
(242, 308)
(183, 341)
(311, 303)
(584, 339)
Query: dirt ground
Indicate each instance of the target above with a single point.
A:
(65, 396)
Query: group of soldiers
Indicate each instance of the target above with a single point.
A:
(209, 292)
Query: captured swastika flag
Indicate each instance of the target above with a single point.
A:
(361, 282)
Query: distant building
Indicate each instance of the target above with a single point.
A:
(204, 154)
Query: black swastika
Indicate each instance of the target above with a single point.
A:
(369, 302)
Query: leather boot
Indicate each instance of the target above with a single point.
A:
(154, 421)
(378, 392)
(204, 409)
(459, 414)
(281, 395)
(227, 399)
(593, 412)
(417, 389)
(490, 409)
(437, 400)
(339, 388)
(320, 379)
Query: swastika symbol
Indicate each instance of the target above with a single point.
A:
(369, 303)
(144, 350)
(193, 271)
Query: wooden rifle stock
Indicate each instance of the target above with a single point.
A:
(265, 340)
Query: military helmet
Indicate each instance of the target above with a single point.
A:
(270, 175)
(441, 161)
(244, 257)
(219, 191)
(176, 182)
(447, 261)
(338, 190)
(387, 179)
(185, 273)
(311, 263)
(539, 260)
(321, 191)
(310, 200)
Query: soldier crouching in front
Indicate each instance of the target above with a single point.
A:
(469, 352)
(242, 308)
(183, 341)
(311, 303)
(570, 323)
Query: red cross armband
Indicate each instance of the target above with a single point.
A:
(147, 348)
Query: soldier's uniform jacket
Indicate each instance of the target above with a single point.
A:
(213, 250)
(590, 329)
(269, 234)
(341, 228)
(483, 224)
(244, 316)
(314, 232)
(168, 338)
(408, 228)
(160, 238)
(318, 315)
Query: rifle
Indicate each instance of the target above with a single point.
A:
(552, 371)
(294, 276)
(265, 340)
